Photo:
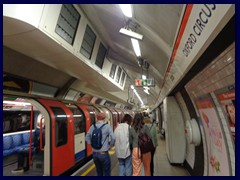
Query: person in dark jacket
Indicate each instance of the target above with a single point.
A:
(137, 157)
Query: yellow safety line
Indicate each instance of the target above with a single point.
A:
(88, 170)
(111, 152)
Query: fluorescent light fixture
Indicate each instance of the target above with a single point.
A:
(135, 91)
(16, 103)
(136, 47)
(77, 115)
(131, 34)
(63, 116)
(126, 9)
(146, 91)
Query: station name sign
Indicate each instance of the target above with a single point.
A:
(144, 82)
(199, 26)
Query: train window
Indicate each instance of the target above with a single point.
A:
(67, 24)
(114, 116)
(101, 55)
(15, 121)
(119, 114)
(113, 69)
(122, 79)
(61, 127)
(118, 74)
(92, 112)
(92, 117)
(88, 43)
(79, 119)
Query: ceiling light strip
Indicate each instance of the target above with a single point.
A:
(16, 103)
(136, 47)
(131, 34)
(138, 96)
(126, 9)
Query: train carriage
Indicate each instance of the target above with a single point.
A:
(65, 127)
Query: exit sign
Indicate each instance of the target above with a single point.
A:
(144, 82)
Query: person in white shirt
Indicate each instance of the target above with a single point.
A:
(122, 146)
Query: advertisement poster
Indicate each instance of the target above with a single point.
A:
(94, 99)
(216, 147)
(84, 98)
(227, 100)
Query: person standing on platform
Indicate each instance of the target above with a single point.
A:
(101, 156)
(122, 146)
(137, 157)
(153, 131)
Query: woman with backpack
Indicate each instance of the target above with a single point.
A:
(139, 157)
(153, 131)
(122, 147)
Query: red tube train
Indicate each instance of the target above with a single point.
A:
(63, 149)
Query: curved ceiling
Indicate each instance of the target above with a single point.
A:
(158, 23)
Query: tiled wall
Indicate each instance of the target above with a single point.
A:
(218, 74)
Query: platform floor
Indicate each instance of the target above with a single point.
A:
(162, 167)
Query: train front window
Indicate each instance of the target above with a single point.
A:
(92, 114)
(61, 127)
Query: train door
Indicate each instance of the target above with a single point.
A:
(79, 132)
(90, 119)
(20, 128)
(114, 117)
(120, 115)
(61, 136)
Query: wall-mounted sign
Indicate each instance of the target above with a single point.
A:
(144, 82)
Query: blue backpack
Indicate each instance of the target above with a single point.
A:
(96, 140)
